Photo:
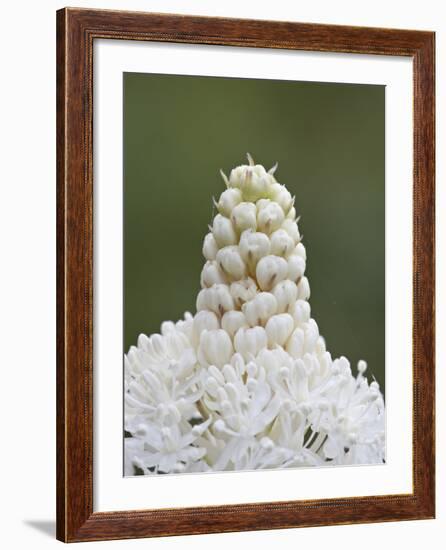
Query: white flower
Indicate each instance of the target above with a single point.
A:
(296, 267)
(270, 218)
(215, 348)
(243, 291)
(253, 247)
(258, 310)
(281, 195)
(232, 321)
(223, 231)
(270, 271)
(212, 274)
(231, 263)
(285, 293)
(217, 299)
(210, 247)
(229, 199)
(278, 328)
(281, 243)
(244, 216)
(249, 341)
(247, 382)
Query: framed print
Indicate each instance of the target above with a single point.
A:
(245, 275)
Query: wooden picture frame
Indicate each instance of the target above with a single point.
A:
(77, 29)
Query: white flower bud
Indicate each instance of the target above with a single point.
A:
(253, 181)
(270, 271)
(291, 228)
(256, 186)
(296, 267)
(281, 195)
(260, 309)
(295, 344)
(204, 320)
(232, 321)
(215, 348)
(211, 274)
(231, 263)
(253, 246)
(301, 311)
(223, 231)
(210, 247)
(237, 175)
(311, 331)
(260, 204)
(228, 200)
(249, 341)
(217, 299)
(278, 328)
(303, 289)
(300, 251)
(285, 293)
(281, 243)
(243, 291)
(244, 216)
(270, 218)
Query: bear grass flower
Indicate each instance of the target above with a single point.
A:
(247, 383)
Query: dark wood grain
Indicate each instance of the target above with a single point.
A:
(76, 31)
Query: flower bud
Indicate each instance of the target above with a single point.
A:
(260, 204)
(249, 341)
(270, 271)
(232, 321)
(253, 246)
(210, 247)
(223, 231)
(211, 274)
(217, 299)
(311, 331)
(270, 218)
(215, 348)
(291, 228)
(204, 320)
(231, 263)
(301, 311)
(243, 291)
(303, 289)
(228, 200)
(295, 344)
(244, 216)
(281, 243)
(300, 251)
(296, 267)
(253, 181)
(278, 328)
(281, 195)
(285, 293)
(260, 309)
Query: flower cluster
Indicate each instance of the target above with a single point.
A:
(247, 382)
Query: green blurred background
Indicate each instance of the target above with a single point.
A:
(329, 142)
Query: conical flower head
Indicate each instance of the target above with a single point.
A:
(254, 274)
(247, 381)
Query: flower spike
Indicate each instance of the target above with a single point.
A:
(247, 382)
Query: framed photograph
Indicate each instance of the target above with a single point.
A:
(210, 173)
